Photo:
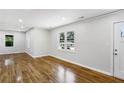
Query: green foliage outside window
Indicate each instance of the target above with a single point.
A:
(9, 40)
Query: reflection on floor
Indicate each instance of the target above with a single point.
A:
(23, 68)
(9, 61)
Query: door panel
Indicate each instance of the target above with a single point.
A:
(119, 50)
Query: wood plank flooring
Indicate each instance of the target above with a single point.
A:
(25, 69)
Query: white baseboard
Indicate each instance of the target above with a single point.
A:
(12, 53)
(39, 56)
(34, 56)
(98, 70)
(29, 54)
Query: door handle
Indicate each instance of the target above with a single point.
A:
(115, 53)
(115, 49)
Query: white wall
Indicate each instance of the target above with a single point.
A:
(37, 42)
(94, 42)
(30, 42)
(19, 42)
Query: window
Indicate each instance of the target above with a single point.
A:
(70, 40)
(62, 37)
(122, 33)
(62, 41)
(66, 41)
(9, 40)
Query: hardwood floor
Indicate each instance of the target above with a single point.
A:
(23, 68)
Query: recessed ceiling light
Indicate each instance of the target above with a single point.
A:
(20, 20)
(63, 18)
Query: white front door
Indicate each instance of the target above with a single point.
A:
(119, 50)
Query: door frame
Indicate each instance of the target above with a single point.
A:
(112, 47)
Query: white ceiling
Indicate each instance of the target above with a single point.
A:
(44, 18)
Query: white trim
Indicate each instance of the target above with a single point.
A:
(113, 46)
(98, 70)
(111, 50)
(34, 56)
(12, 53)
(39, 56)
(29, 54)
(69, 51)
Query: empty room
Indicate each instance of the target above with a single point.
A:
(61, 46)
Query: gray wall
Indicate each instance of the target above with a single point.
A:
(94, 42)
(19, 42)
(37, 42)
